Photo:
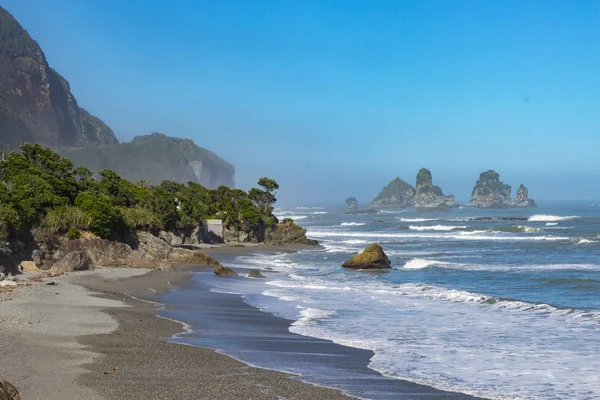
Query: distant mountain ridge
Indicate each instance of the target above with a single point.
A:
(36, 105)
(155, 158)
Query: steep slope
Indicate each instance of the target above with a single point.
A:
(155, 158)
(36, 103)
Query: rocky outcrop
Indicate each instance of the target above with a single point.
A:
(371, 258)
(156, 158)
(254, 273)
(429, 196)
(8, 391)
(396, 194)
(36, 103)
(351, 203)
(490, 192)
(220, 270)
(287, 232)
(522, 199)
(425, 196)
(142, 251)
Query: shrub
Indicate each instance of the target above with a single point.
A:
(139, 217)
(74, 234)
(61, 219)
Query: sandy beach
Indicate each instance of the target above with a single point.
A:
(67, 341)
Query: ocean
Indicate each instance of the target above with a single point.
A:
(502, 304)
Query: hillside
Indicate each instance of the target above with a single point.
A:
(156, 158)
(37, 106)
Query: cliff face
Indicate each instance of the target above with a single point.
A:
(156, 158)
(490, 192)
(36, 103)
(426, 195)
(522, 199)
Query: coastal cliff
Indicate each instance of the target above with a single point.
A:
(425, 196)
(37, 106)
(36, 103)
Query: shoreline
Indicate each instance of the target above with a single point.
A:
(136, 355)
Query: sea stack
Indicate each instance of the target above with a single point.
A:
(351, 203)
(522, 199)
(371, 258)
(425, 197)
(396, 194)
(430, 196)
(490, 192)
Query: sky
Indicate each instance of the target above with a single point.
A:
(335, 98)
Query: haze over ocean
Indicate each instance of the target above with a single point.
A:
(336, 98)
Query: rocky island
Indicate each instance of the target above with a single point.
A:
(426, 196)
(351, 203)
(491, 192)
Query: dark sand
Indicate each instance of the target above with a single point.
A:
(137, 364)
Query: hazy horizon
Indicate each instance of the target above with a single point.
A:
(335, 99)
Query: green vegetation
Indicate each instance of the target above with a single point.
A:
(41, 190)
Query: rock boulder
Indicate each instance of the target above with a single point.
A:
(8, 391)
(254, 273)
(522, 199)
(371, 258)
(224, 271)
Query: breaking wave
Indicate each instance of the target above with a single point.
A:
(550, 218)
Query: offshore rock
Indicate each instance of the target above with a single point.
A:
(425, 196)
(430, 196)
(490, 192)
(254, 273)
(351, 203)
(372, 258)
(522, 199)
(224, 271)
(396, 194)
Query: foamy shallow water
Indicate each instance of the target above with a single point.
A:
(497, 308)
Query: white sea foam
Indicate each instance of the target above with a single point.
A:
(353, 223)
(418, 219)
(448, 236)
(435, 228)
(550, 218)
(586, 241)
(529, 229)
(420, 263)
(293, 217)
(551, 223)
(319, 212)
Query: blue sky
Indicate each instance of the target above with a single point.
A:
(336, 98)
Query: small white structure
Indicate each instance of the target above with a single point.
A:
(213, 228)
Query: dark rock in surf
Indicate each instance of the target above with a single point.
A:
(224, 271)
(371, 258)
(254, 273)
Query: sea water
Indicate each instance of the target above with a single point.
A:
(496, 303)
